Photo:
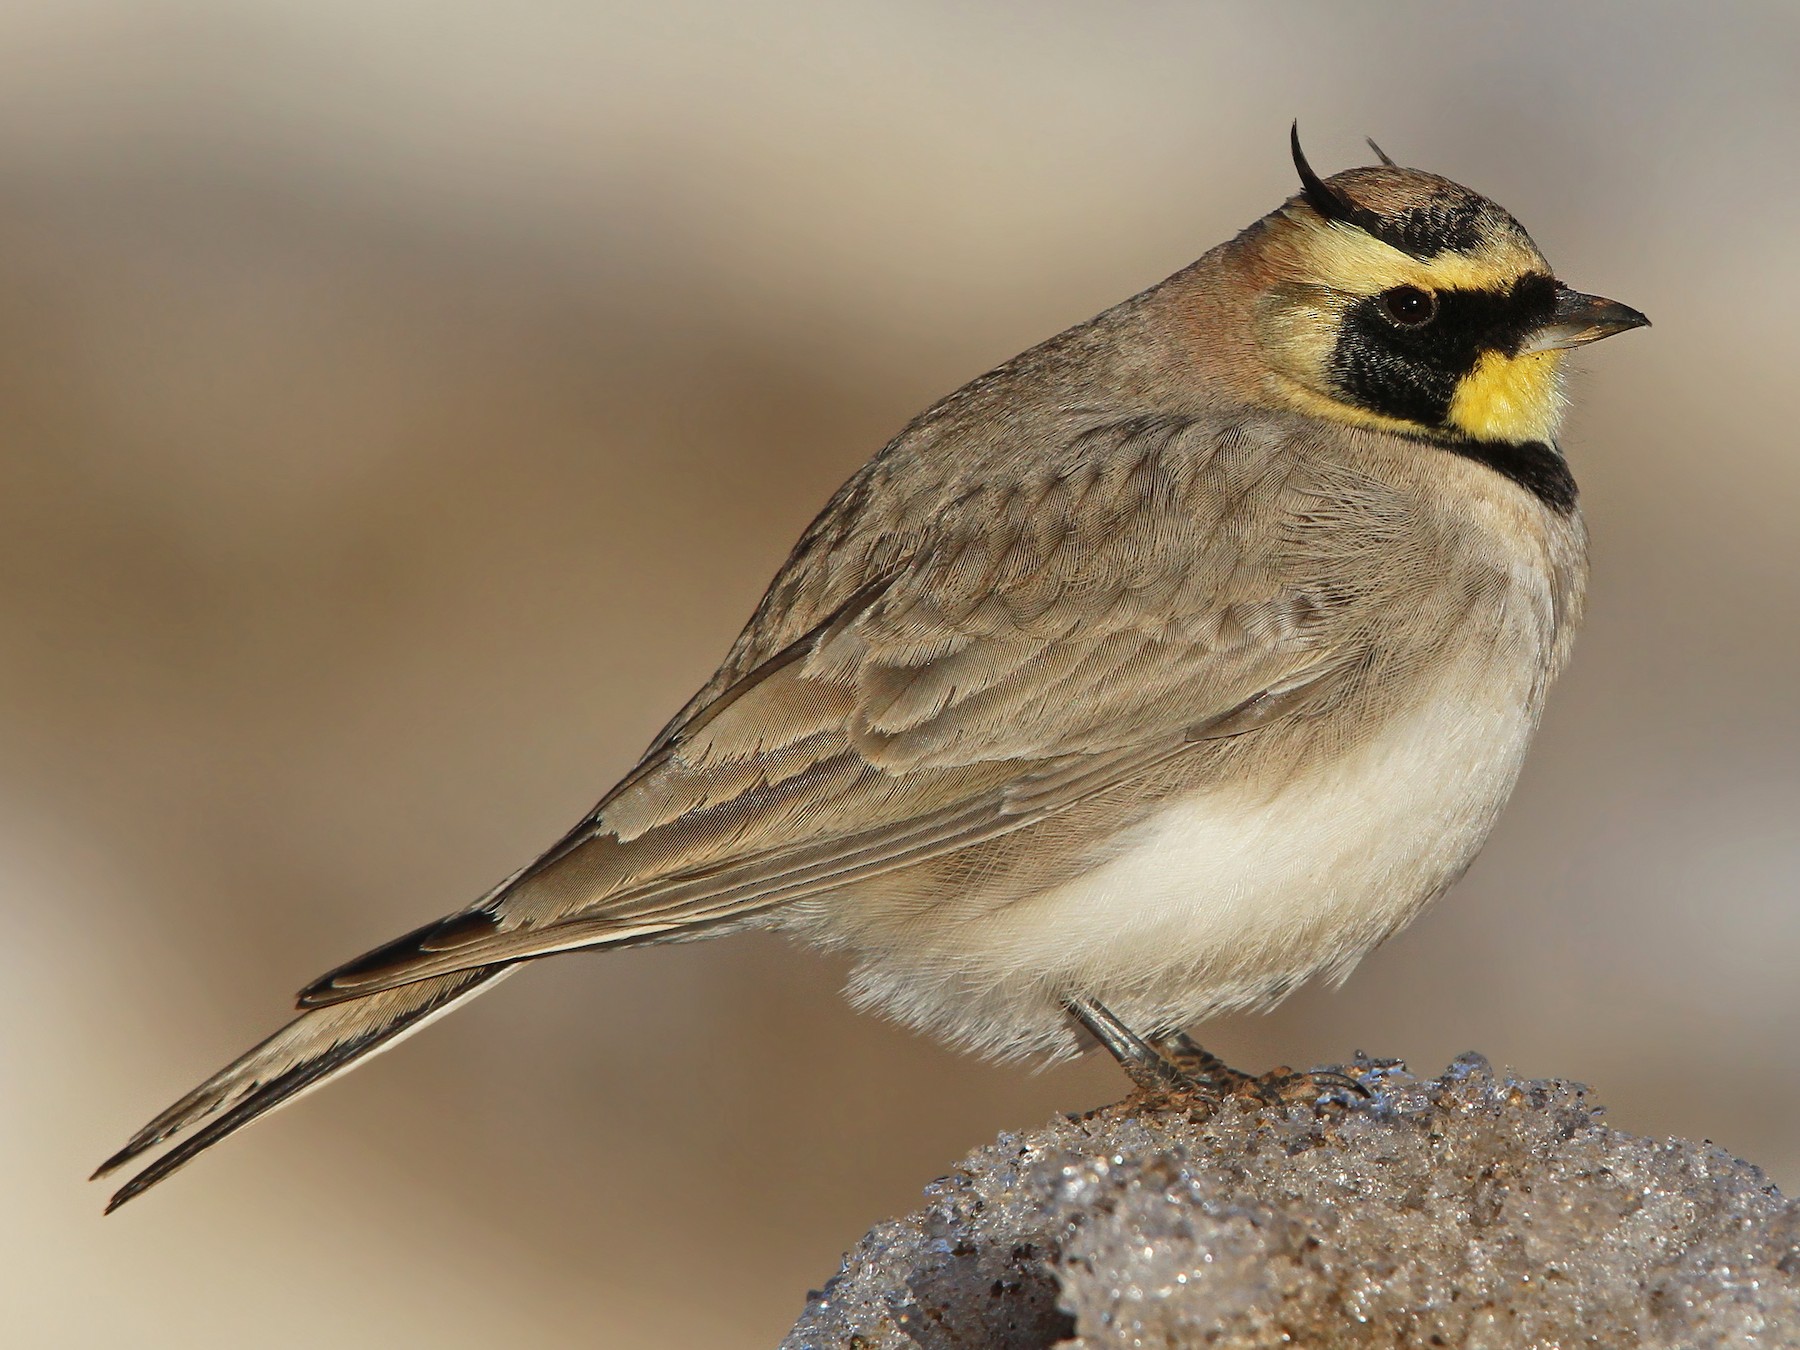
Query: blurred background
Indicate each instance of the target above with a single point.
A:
(401, 406)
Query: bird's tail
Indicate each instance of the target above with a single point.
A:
(309, 1051)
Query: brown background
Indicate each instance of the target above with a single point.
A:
(400, 407)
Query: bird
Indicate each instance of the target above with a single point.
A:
(1181, 659)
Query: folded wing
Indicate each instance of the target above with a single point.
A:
(1042, 642)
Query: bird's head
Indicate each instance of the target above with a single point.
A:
(1394, 298)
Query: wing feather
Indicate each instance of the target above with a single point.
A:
(1015, 648)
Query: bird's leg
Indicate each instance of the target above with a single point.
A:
(1280, 1086)
(1142, 1062)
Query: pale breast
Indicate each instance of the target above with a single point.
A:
(1230, 898)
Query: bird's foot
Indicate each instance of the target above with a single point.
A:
(1175, 1067)
(1200, 1066)
(1281, 1086)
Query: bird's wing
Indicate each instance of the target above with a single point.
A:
(1036, 641)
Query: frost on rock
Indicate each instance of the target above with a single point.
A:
(1468, 1210)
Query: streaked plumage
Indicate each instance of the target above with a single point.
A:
(1179, 659)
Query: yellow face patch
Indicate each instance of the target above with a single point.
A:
(1510, 398)
(1322, 270)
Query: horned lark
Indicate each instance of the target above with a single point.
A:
(1184, 657)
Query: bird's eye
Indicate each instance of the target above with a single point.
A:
(1409, 306)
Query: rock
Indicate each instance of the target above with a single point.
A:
(1470, 1210)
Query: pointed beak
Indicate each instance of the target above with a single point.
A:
(1579, 319)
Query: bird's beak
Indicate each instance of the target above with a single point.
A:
(1579, 319)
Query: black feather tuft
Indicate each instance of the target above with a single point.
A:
(1327, 200)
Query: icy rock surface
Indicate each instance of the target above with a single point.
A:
(1468, 1210)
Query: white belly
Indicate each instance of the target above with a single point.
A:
(1229, 899)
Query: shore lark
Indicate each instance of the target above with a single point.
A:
(1178, 660)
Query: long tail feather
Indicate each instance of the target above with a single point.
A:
(309, 1051)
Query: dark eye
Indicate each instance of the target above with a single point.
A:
(1409, 306)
